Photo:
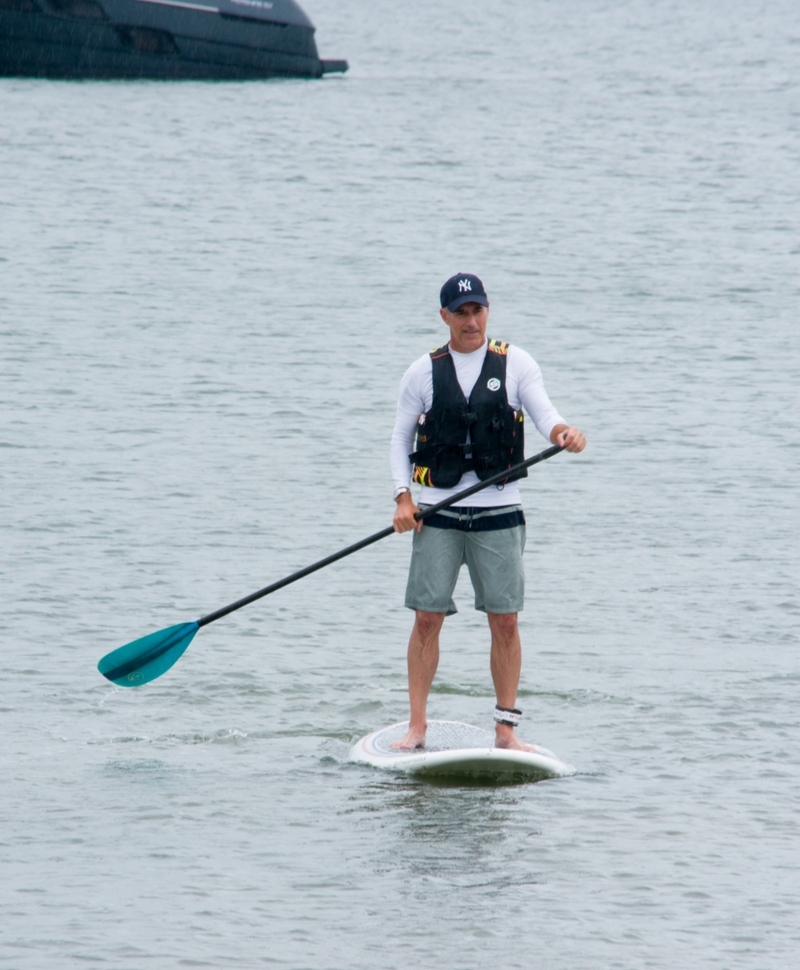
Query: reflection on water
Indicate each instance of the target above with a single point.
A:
(454, 833)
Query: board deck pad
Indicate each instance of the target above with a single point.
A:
(454, 749)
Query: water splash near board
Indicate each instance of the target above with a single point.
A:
(453, 749)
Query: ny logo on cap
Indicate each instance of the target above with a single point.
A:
(465, 286)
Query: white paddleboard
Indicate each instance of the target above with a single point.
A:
(457, 750)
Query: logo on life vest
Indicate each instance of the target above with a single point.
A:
(493, 384)
(465, 286)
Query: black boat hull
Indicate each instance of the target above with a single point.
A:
(160, 39)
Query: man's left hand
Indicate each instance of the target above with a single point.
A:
(570, 439)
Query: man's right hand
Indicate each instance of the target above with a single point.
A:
(404, 520)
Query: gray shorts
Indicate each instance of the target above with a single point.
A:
(490, 541)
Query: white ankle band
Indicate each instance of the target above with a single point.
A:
(509, 716)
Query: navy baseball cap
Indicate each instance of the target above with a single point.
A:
(462, 288)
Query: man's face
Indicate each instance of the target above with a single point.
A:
(467, 327)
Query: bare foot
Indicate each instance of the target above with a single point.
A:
(507, 739)
(412, 739)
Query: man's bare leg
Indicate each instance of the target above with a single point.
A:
(423, 659)
(506, 664)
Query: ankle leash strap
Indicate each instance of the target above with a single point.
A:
(509, 716)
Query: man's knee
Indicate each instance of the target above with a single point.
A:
(503, 625)
(428, 624)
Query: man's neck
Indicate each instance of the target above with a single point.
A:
(467, 353)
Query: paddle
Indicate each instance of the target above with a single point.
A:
(150, 656)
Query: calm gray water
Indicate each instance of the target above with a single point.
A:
(208, 294)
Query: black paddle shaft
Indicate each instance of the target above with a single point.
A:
(493, 480)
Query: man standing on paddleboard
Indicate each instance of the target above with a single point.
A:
(460, 421)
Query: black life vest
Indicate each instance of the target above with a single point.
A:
(486, 427)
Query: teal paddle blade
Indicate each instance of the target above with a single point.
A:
(149, 657)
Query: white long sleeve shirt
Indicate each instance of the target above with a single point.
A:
(524, 387)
